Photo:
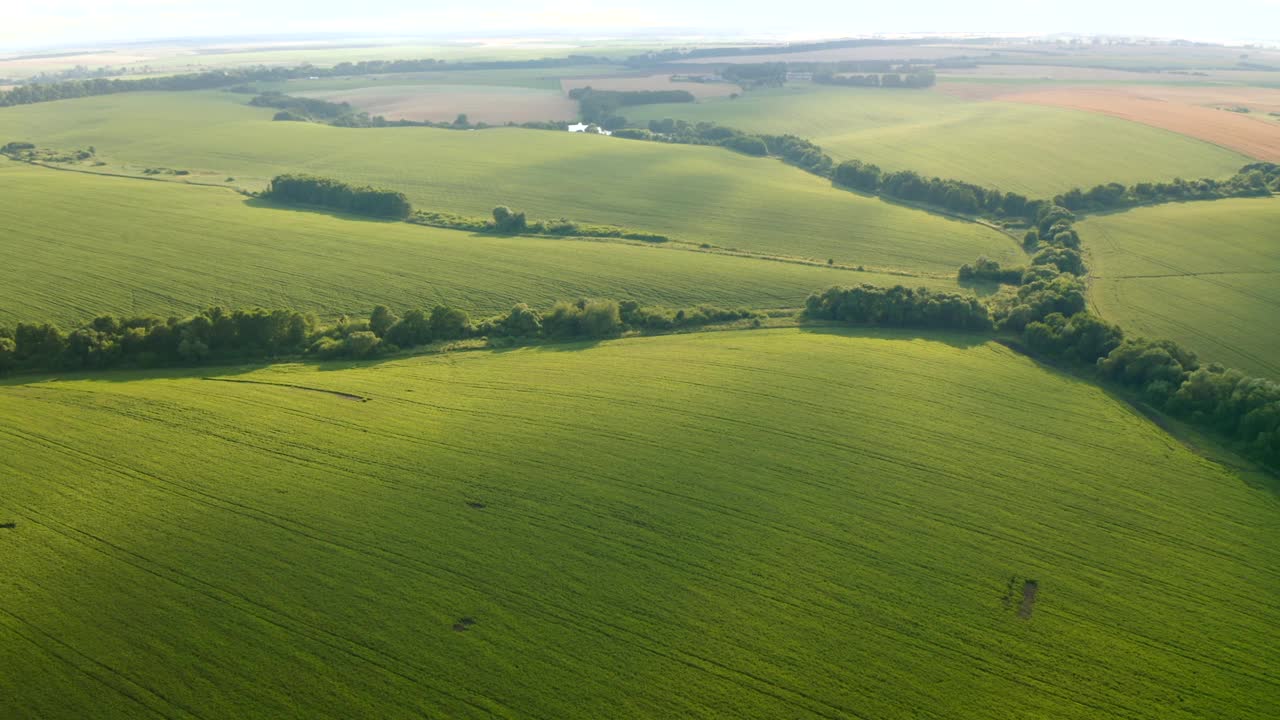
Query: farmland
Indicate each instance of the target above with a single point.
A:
(1177, 112)
(557, 533)
(125, 246)
(493, 104)
(990, 143)
(1203, 274)
(695, 194)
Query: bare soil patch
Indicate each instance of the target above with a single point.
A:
(648, 82)
(1172, 109)
(491, 104)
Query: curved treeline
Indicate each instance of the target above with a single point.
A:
(337, 195)
(35, 93)
(218, 335)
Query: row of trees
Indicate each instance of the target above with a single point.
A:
(898, 306)
(602, 106)
(44, 92)
(954, 195)
(218, 335)
(1255, 179)
(755, 75)
(337, 195)
(515, 222)
(789, 148)
(301, 108)
(1242, 408)
(919, 79)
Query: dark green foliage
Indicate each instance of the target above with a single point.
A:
(585, 318)
(1041, 295)
(659, 318)
(752, 75)
(337, 195)
(601, 106)
(381, 320)
(748, 144)
(506, 221)
(858, 175)
(559, 228)
(898, 306)
(301, 108)
(1081, 339)
(17, 146)
(1064, 259)
(986, 270)
(1255, 179)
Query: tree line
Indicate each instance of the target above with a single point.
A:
(601, 106)
(1253, 180)
(898, 306)
(514, 222)
(219, 335)
(35, 93)
(301, 108)
(337, 195)
(788, 148)
(920, 79)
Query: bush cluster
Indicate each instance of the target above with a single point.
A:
(898, 306)
(337, 195)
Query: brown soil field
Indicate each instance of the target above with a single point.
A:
(1167, 108)
(648, 82)
(489, 104)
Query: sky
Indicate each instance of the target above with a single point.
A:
(47, 23)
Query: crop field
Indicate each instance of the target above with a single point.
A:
(990, 143)
(533, 78)
(77, 245)
(1205, 274)
(813, 524)
(493, 104)
(694, 194)
(1252, 136)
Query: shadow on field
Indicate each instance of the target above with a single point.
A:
(981, 289)
(963, 341)
(317, 210)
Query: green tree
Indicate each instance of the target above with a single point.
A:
(381, 320)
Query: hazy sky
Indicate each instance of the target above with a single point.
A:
(28, 23)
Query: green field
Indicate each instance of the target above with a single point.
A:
(697, 194)
(1206, 274)
(778, 523)
(1037, 151)
(77, 245)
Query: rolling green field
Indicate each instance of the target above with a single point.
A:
(778, 523)
(697, 194)
(77, 245)
(1206, 274)
(1037, 151)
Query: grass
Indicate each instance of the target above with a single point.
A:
(1203, 274)
(1037, 151)
(696, 194)
(77, 245)
(741, 524)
